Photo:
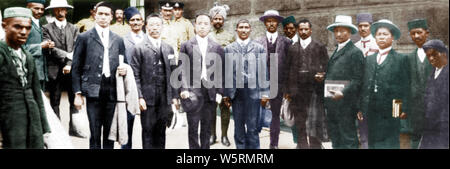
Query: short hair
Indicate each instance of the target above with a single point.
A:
(202, 14)
(305, 21)
(153, 15)
(104, 4)
(242, 21)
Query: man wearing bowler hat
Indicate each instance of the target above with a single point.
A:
(276, 46)
(420, 69)
(345, 66)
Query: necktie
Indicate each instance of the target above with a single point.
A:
(364, 43)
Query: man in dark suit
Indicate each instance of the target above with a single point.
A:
(151, 66)
(59, 58)
(306, 63)
(133, 38)
(275, 45)
(95, 62)
(345, 64)
(202, 53)
(435, 133)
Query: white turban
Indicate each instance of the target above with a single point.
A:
(219, 9)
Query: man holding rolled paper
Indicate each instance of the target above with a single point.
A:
(385, 88)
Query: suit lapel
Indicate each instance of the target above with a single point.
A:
(341, 52)
(95, 36)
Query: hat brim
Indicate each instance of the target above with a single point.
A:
(62, 6)
(394, 29)
(352, 27)
(279, 18)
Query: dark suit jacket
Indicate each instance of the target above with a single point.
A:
(34, 47)
(191, 49)
(283, 44)
(88, 61)
(346, 64)
(57, 56)
(436, 111)
(302, 65)
(143, 63)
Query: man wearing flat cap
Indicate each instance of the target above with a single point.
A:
(367, 43)
(276, 46)
(23, 121)
(342, 84)
(35, 39)
(59, 58)
(385, 88)
(420, 69)
(218, 15)
(435, 130)
(182, 27)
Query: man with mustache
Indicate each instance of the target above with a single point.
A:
(386, 78)
(131, 40)
(275, 46)
(420, 69)
(306, 62)
(182, 27)
(344, 66)
(367, 45)
(121, 28)
(167, 35)
(23, 121)
(290, 29)
(35, 39)
(218, 15)
(59, 58)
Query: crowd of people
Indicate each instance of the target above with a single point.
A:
(365, 95)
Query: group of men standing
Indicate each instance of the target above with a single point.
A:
(355, 91)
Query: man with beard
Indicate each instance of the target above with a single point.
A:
(420, 69)
(23, 121)
(306, 62)
(133, 38)
(183, 28)
(218, 15)
(59, 58)
(290, 29)
(275, 46)
(35, 39)
(121, 28)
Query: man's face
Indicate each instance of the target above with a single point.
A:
(178, 13)
(103, 16)
(243, 30)
(364, 29)
(304, 30)
(271, 24)
(166, 14)
(202, 25)
(154, 27)
(60, 13)
(136, 23)
(218, 21)
(37, 9)
(119, 15)
(419, 36)
(436, 59)
(384, 38)
(290, 30)
(16, 30)
(342, 34)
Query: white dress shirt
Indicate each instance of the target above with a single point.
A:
(243, 42)
(137, 38)
(36, 21)
(61, 24)
(155, 42)
(421, 54)
(306, 42)
(294, 39)
(437, 72)
(342, 45)
(383, 54)
(367, 45)
(203, 45)
(272, 36)
(103, 33)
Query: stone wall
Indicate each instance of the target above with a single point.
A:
(322, 13)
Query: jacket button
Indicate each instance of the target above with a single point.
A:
(99, 75)
(99, 66)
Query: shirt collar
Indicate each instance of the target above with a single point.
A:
(153, 40)
(384, 50)
(36, 21)
(201, 40)
(99, 30)
(60, 24)
(243, 42)
(367, 38)
(307, 41)
(294, 39)
(342, 45)
(274, 35)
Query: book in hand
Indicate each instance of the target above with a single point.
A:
(396, 108)
(334, 85)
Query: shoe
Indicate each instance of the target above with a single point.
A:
(273, 147)
(212, 140)
(75, 134)
(225, 141)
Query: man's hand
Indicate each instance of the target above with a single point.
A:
(320, 76)
(78, 101)
(218, 98)
(142, 104)
(66, 69)
(287, 97)
(184, 94)
(360, 116)
(176, 103)
(47, 44)
(122, 70)
(227, 101)
(264, 101)
(337, 95)
(403, 115)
